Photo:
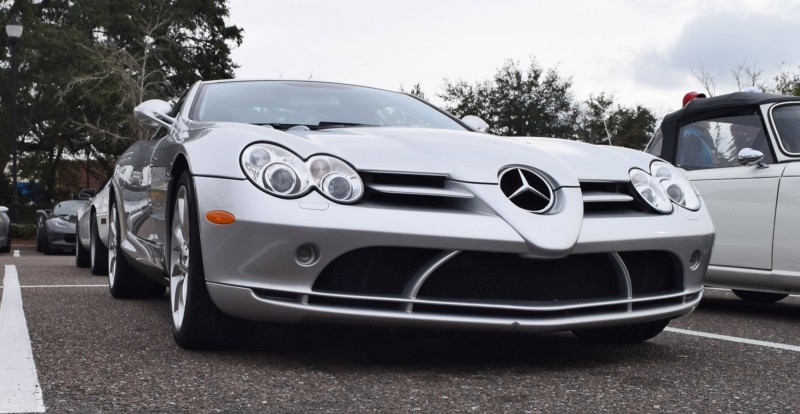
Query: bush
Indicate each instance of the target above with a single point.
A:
(23, 231)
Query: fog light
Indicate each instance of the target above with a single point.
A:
(306, 255)
(694, 260)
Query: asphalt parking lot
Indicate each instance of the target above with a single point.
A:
(93, 353)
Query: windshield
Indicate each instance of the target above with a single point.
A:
(317, 105)
(68, 208)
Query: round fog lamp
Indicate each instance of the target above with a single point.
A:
(694, 260)
(305, 255)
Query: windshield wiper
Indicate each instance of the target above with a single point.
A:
(336, 124)
(321, 125)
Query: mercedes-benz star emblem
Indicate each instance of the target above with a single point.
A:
(527, 189)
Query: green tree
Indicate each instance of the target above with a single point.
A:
(517, 101)
(603, 122)
(788, 83)
(86, 64)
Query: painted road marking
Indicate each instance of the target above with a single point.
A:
(19, 385)
(61, 286)
(736, 339)
(16, 253)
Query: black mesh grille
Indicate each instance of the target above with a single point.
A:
(500, 276)
(653, 272)
(374, 270)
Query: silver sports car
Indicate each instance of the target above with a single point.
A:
(5, 230)
(291, 201)
(91, 250)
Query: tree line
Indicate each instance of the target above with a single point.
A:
(84, 66)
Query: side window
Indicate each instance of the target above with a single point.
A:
(787, 122)
(715, 143)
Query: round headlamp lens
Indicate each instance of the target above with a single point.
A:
(650, 191)
(678, 188)
(259, 157)
(281, 178)
(338, 187)
(319, 168)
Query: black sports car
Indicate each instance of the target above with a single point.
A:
(55, 229)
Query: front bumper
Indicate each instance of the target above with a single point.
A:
(252, 271)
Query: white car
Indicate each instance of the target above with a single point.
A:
(91, 243)
(741, 151)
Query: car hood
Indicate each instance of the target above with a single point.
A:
(459, 155)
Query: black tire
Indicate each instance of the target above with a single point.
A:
(759, 297)
(7, 247)
(81, 253)
(39, 239)
(196, 322)
(623, 334)
(123, 281)
(98, 252)
(46, 244)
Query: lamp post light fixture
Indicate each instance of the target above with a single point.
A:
(14, 31)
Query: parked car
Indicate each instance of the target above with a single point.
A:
(290, 201)
(55, 229)
(741, 151)
(5, 230)
(91, 249)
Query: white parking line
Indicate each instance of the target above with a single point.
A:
(61, 286)
(16, 253)
(736, 339)
(19, 384)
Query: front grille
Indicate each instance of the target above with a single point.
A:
(508, 277)
(488, 283)
(610, 197)
(411, 190)
(376, 270)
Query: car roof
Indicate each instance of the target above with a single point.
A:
(725, 102)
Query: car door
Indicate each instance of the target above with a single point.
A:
(741, 199)
(742, 202)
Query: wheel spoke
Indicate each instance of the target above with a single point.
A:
(179, 258)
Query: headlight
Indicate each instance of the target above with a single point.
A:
(282, 173)
(677, 187)
(59, 223)
(650, 190)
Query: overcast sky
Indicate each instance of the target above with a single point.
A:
(641, 52)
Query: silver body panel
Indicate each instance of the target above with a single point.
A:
(256, 253)
(99, 207)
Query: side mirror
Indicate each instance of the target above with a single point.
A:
(475, 123)
(154, 112)
(45, 213)
(749, 156)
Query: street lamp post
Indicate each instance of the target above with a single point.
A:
(14, 31)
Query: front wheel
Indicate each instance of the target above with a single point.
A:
(81, 253)
(98, 253)
(196, 321)
(623, 334)
(123, 281)
(759, 297)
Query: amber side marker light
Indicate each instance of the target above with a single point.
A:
(220, 217)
